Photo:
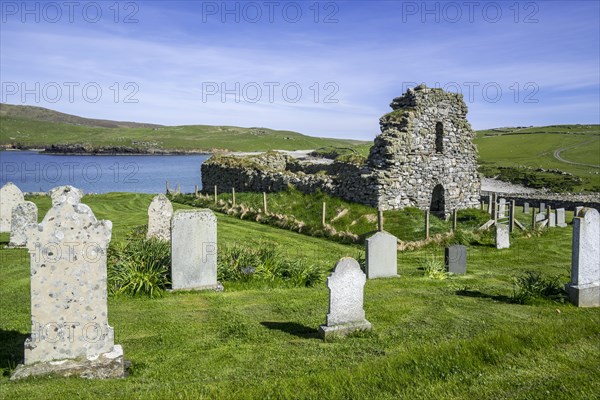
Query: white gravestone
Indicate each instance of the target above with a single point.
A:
(382, 255)
(65, 194)
(10, 196)
(502, 208)
(70, 334)
(525, 208)
(23, 215)
(346, 294)
(194, 250)
(160, 213)
(560, 218)
(552, 220)
(502, 236)
(584, 288)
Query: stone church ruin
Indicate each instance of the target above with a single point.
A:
(424, 157)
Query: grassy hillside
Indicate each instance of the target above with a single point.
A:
(25, 126)
(432, 339)
(574, 149)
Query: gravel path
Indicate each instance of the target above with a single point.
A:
(559, 158)
(494, 185)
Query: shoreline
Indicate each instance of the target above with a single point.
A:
(74, 150)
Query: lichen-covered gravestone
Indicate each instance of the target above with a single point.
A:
(346, 293)
(23, 215)
(502, 236)
(65, 194)
(160, 213)
(381, 254)
(70, 334)
(560, 217)
(456, 259)
(194, 250)
(10, 196)
(584, 288)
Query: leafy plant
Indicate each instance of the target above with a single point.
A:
(139, 266)
(434, 268)
(533, 285)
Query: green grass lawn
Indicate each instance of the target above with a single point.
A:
(432, 339)
(535, 148)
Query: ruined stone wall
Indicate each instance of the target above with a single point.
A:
(424, 157)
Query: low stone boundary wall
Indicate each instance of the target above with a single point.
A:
(556, 200)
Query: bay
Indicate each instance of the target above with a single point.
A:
(38, 172)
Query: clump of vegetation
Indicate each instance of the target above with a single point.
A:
(555, 181)
(263, 262)
(434, 268)
(139, 266)
(532, 286)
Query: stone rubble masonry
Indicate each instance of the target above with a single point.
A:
(160, 213)
(194, 250)
(424, 157)
(70, 334)
(23, 215)
(10, 196)
(346, 295)
(584, 288)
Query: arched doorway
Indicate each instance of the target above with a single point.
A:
(439, 137)
(438, 201)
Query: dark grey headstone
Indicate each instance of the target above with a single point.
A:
(456, 259)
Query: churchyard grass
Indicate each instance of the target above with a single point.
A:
(462, 337)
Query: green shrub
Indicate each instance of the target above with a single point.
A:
(139, 267)
(532, 286)
(434, 268)
(264, 263)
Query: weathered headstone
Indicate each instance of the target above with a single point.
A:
(540, 217)
(542, 208)
(382, 253)
(194, 250)
(65, 194)
(502, 236)
(160, 213)
(346, 295)
(560, 217)
(584, 288)
(456, 259)
(10, 196)
(70, 335)
(552, 220)
(501, 208)
(23, 215)
(525, 208)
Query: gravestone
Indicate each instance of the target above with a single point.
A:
(65, 194)
(70, 335)
(23, 215)
(501, 208)
(381, 255)
(584, 288)
(502, 236)
(540, 217)
(456, 259)
(10, 196)
(525, 208)
(194, 250)
(542, 208)
(560, 217)
(552, 220)
(160, 213)
(346, 294)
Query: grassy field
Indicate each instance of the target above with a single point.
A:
(459, 338)
(536, 148)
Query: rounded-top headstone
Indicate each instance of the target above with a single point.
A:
(10, 196)
(23, 214)
(160, 213)
(65, 194)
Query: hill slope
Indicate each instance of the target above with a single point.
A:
(35, 127)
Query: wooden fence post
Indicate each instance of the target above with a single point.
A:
(426, 224)
(454, 220)
(379, 220)
(233, 196)
(265, 202)
(196, 190)
(167, 185)
(178, 188)
(323, 214)
(215, 194)
(533, 214)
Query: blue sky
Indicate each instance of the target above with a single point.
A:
(320, 68)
